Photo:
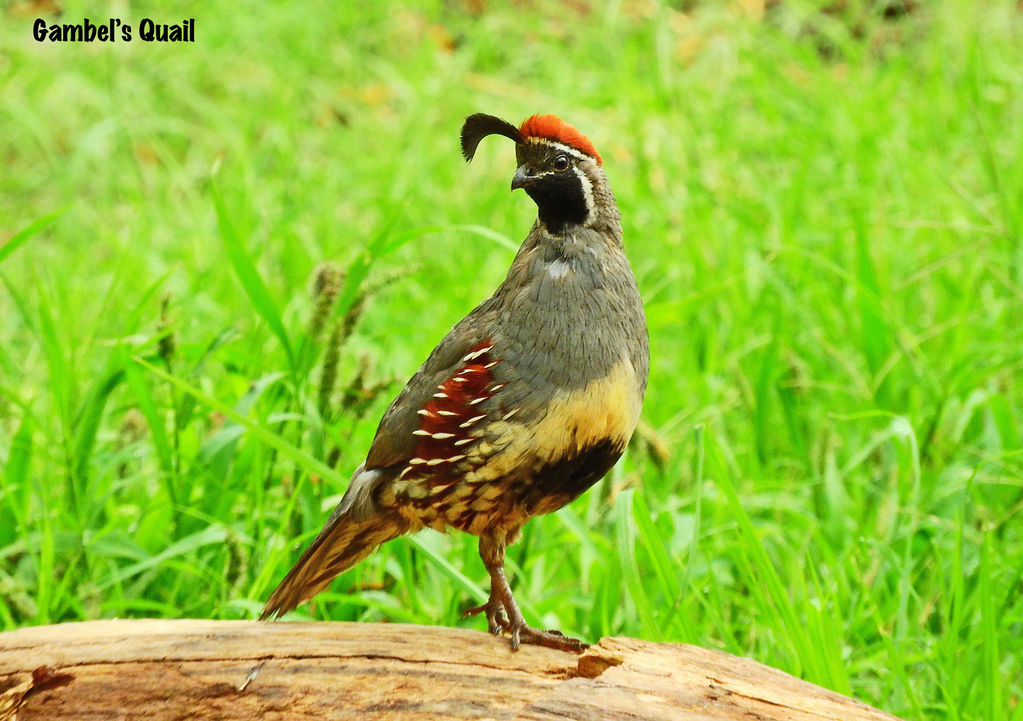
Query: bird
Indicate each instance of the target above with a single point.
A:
(524, 404)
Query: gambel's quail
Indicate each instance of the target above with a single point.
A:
(525, 403)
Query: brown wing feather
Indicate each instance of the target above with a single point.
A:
(358, 526)
(394, 443)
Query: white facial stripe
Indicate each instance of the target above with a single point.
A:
(587, 187)
(561, 147)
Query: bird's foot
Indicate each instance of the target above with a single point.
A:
(504, 615)
(551, 639)
(498, 623)
(497, 618)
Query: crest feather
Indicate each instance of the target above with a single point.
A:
(554, 128)
(481, 125)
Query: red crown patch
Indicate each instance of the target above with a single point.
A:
(554, 128)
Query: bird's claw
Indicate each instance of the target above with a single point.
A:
(498, 623)
(551, 639)
(497, 617)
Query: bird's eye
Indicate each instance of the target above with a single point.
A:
(561, 162)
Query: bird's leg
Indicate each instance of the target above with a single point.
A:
(497, 618)
(502, 604)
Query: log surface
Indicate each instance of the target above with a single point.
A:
(191, 669)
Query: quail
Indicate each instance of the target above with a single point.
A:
(525, 403)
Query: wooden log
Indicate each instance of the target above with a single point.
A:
(190, 669)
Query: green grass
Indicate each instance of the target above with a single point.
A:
(825, 215)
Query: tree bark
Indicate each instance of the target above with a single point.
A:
(191, 669)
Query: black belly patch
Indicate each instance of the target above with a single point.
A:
(561, 482)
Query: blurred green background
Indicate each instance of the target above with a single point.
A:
(221, 260)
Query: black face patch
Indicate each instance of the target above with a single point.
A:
(557, 190)
(560, 199)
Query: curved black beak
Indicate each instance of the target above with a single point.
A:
(522, 178)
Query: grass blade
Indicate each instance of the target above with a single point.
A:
(625, 536)
(665, 570)
(90, 416)
(16, 478)
(260, 433)
(248, 276)
(449, 570)
(21, 237)
(157, 429)
(206, 537)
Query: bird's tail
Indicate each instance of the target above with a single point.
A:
(353, 532)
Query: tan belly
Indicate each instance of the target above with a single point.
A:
(606, 409)
(496, 472)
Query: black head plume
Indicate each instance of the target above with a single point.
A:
(479, 126)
